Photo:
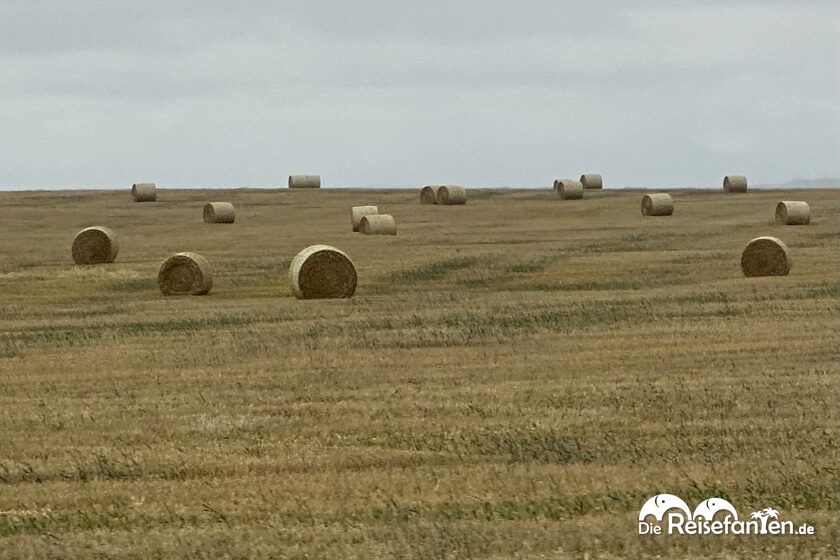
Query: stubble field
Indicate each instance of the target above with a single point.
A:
(513, 378)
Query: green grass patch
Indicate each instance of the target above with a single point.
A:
(585, 286)
(529, 267)
(433, 270)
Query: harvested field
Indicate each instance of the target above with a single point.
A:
(514, 378)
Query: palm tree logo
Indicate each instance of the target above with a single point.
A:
(763, 515)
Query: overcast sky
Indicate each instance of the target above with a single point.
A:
(192, 93)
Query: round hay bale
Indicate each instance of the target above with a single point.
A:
(95, 245)
(322, 272)
(658, 204)
(793, 213)
(428, 194)
(766, 256)
(569, 189)
(449, 195)
(184, 274)
(557, 183)
(592, 181)
(378, 224)
(219, 213)
(144, 192)
(359, 212)
(304, 181)
(735, 183)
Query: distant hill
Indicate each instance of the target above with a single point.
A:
(793, 183)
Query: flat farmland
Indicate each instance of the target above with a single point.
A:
(514, 378)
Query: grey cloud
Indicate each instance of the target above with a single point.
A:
(215, 93)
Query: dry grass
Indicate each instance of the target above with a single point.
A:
(518, 392)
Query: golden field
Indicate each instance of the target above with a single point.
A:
(513, 379)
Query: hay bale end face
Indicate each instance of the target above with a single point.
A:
(569, 189)
(144, 192)
(185, 274)
(219, 213)
(322, 272)
(793, 213)
(735, 183)
(95, 245)
(379, 224)
(449, 195)
(359, 212)
(428, 194)
(658, 204)
(766, 256)
(592, 181)
(304, 181)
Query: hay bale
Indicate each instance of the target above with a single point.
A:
(378, 224)
(304, 181)
(735, 183)
(322, 272)
(95, 245)
(144, 192)
(219, 213)
(766, 256)
(557, 183)
(658, 204)
(448, 195)
(359, 212)
(569, 189)
(428, 194)
(592, 181)
(793, 213)
(185, 274)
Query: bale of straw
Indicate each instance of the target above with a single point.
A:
(592, 181)
(144, 192)
(95, 245)
(793, 213)
(658, 204)
(378, 224)
(428, 194)
(359, 212)
(569, 189)
(766, 256)
(322, 272)
(304, 181)
(185, 274)
(735, 183)
(219, 213)
(449, 195)
(557, 183)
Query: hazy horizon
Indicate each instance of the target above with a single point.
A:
(485, 93)
(822, 183)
